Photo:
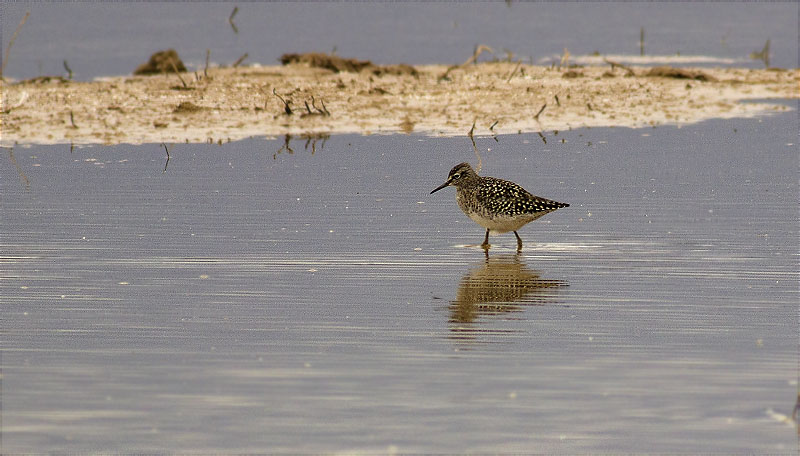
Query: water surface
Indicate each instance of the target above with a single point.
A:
(316, 298)
(101, 39)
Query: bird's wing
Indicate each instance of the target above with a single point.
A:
(505, 197)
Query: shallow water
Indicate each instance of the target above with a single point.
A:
(101, 39)
(253, 298)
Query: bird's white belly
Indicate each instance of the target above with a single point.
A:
(502, 224)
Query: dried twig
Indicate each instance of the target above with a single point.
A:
(514, 71)
(230, 19)
(492, 126)
(323, 111)
(564, 59)
(536, 117)
(72, 119)
(641, 41)
(478, 50)
(240, 60)
(175, 69)
(69, 70)
(22, 99)
(762, 55)
(266, 97)
(286, 107)
(558, 103)
(617, 64)
(208, 56)
(11, 42)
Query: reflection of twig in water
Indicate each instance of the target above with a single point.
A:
(311, 138)
(205, 68)
(494, 135)
(22, 175)
(167, 163)
(286, 140)
(475, 148)
(544, 140)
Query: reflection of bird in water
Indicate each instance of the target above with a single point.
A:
(499, 285)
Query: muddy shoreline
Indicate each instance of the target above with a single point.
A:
(227, 104)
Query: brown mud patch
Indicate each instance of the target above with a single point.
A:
(236, 103)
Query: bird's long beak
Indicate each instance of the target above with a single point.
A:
(441, 187)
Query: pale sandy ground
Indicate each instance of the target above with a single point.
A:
(236, 103)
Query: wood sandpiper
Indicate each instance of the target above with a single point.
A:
(498, 205)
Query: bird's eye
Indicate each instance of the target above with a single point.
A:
(456, 175)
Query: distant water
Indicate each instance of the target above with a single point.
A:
(315, 298)
(111, 39)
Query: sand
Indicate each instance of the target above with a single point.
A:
(499, 97)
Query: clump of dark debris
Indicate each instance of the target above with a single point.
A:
(161, 62)
(187, 106)
(46, 80)
(679, 73)
(330, 62)
(340, 64)
(572, 74)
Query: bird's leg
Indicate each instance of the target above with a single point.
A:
(519, 242)
(485, 244)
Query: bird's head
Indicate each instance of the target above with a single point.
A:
(459, 175)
